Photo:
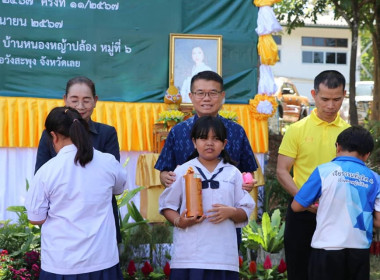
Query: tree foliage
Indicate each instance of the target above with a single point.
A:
(358, 15)
(367, 59)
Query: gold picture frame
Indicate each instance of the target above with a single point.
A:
(190, 54)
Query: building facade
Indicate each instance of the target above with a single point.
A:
(309, 50)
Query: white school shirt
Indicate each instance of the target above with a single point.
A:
(79, 234)
(207, 245)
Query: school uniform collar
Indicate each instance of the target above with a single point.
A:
(67, 149)
(219, 165)
(348, 158)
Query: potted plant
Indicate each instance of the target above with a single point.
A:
(171, 117)
(229, 115)
(266, 238)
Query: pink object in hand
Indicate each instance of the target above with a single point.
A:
(247, 178)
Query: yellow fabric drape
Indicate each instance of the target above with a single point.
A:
(268, 50)
(260, 3)
(148, 177)
(22, 122)
(256, 130)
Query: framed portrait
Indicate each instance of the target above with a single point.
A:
(191, 54)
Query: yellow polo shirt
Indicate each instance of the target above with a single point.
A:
(311, 142)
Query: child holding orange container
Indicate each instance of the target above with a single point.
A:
(204, 246)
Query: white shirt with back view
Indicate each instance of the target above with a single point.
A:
(79, 234)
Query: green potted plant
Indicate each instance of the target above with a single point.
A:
(171, 117)
(229, 115)
(266, 238)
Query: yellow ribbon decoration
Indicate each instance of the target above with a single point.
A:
(260, 3)
(268, 50)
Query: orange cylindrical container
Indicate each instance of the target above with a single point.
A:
(193, 194)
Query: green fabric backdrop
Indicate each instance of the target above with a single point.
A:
(32, 34)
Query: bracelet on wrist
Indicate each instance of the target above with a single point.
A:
(176, 222)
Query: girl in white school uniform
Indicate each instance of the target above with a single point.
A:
(206, 247)
(71, 196)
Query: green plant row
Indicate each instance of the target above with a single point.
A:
(269, 235)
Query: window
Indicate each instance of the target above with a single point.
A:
(312, 57)
(307, 41)
(342, 58)
(277, 39)
(341, 43)
(330, 58)
(325, 42)
(307, 57)
(317, 57)
(324, 57)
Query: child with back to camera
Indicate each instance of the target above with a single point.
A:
(349, 205)
(205, 247)
(71, 196)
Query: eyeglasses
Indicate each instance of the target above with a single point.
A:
(202, 94)
(77, 103)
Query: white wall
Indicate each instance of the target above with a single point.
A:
(302, 74)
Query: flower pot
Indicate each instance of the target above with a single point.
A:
(160, 252)
(274, 257)
(170, 123)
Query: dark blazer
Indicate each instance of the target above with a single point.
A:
(104, 139)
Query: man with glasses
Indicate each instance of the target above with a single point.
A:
(207, 95)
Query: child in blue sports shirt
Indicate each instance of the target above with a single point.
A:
(348, 206)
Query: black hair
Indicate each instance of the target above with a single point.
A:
(209, 76)
(330, 78)
(356, 139)
(81, 80)
(201, 129)
(69, 123)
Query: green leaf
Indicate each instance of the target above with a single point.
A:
(276, 218)
(128, 195)
(126, 219)
(269, 235)
(128, 226)
(135, 213)
(266, 228)
(27, 184)
(17, 209)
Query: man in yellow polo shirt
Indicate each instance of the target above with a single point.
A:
(307, 144)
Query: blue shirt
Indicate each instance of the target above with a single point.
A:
(348, 194)
(179, 146)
